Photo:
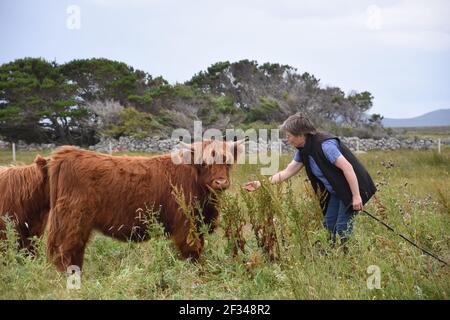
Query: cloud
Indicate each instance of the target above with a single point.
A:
(127, 3)
(416, 15)
(411, 24)
(354, 44)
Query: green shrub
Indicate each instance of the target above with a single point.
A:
(133, 123)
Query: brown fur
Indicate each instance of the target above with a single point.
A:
(24, 198)
(92, 191)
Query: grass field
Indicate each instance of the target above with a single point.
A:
(442, 132)
(413, 197)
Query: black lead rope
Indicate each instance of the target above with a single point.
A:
(402, 236)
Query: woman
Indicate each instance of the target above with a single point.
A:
(336, 175)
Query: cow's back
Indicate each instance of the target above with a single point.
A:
(23, 188)
(117, 190)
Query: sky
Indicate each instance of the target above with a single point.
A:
(398, 50)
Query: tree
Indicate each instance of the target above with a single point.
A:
(103, 115)
(363, 100)
(38, 104)
(80, 100)
(103, 79)
(376, 119)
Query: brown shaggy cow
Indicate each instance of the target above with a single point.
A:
(93, 191)
(24, 198)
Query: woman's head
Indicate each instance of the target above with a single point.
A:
(297, 128)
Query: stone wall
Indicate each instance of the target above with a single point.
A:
(157, 144)
(166, 145)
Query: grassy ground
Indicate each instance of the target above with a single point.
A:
(442, 132)
(280, 260)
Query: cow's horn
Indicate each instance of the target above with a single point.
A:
(242, 141)
(185, 145)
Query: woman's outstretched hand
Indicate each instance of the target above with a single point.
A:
(252, 186)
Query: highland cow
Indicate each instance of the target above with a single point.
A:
(93, 191)
(24, 200)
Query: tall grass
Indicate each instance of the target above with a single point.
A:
(265, 246)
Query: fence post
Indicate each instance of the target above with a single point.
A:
(110, 147)
(14, 151)
(439, 146)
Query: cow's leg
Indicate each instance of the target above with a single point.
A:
(69, 232)
(2, 228)
(35, 226)
(69, 252)
(192, 250)
(189, 246)
(23, 231)
(39, 223)
(211, 214)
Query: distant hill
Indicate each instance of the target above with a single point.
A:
(439, 117)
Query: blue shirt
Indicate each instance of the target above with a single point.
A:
(331, 151)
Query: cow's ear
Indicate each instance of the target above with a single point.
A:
(185, 145)
(41, 163)
(183, 157)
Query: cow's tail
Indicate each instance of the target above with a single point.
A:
(53, 219)
(53, 176)
(59, 222)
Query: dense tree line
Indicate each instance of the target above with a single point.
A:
(77, 102)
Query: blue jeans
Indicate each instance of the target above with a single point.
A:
(337, 220)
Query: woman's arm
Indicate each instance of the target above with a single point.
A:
(350, 176)
(292, 168)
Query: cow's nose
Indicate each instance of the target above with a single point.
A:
(221, 183)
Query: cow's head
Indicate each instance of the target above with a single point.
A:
(212, 160)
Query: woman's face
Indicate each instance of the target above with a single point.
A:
(296, 141)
